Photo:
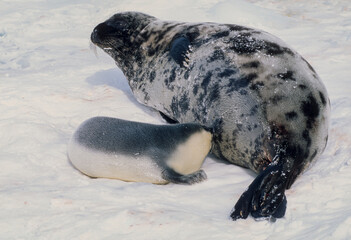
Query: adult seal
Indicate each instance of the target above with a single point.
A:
(140, 152)
(267, 106)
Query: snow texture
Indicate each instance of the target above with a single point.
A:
(51, 81)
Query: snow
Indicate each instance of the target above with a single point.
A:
(50, 82)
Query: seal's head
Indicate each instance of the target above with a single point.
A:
(117, 36)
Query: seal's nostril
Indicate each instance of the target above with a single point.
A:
(94, 36)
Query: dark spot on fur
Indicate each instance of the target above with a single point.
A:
(253, 64)
(201, 97)
(180, 106)
(254, 110)
(274, 49)
(186, 75)
(145, 35)
(220, 34)
(173, 75)
(196, 114)
(276, 99)
(202, 68)
(174, 106)
(215, 93)
(195, 89)
(206, 80)
(161, 34)
(310, 109)
(227, 72)
(290, 116)
(243, 92)
(321, 95)
(257, 85)
(218, 130)
(192, 32)
(303, 87)
(287, 76)
(217, 54)
(256, 159)
(152, 76)
(146, 97)
(184, 103)
(233, 27)
(151, 52)
(246, 44)
(244, 81)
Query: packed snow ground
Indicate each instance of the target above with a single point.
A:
(50, 81)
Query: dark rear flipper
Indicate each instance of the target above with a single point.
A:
(174, 177)
(265, 198)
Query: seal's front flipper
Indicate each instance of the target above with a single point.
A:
(174, 177)
(265, 196)
(180, 50)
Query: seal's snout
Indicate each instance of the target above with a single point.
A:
(99, 33)
(102, 31)
(94, 36)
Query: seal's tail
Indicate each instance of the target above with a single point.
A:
(265, 197)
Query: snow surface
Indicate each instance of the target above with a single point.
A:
(50, 81)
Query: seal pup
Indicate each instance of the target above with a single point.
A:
(140, 152)
(267, 106)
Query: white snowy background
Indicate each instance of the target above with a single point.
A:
(50, 81)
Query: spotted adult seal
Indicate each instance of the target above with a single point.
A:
(140, 152)
(267, 105)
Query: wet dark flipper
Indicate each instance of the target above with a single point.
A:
(174, 177)
(265, 196)
(280, 211)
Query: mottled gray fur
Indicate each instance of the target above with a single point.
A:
(264, 101)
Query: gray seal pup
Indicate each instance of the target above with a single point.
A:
(267, 106)
(140, 152)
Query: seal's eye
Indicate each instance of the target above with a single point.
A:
(119, 26)
(104, 29)
(119, 22)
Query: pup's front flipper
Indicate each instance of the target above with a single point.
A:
(265, 198)
(174, 177)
